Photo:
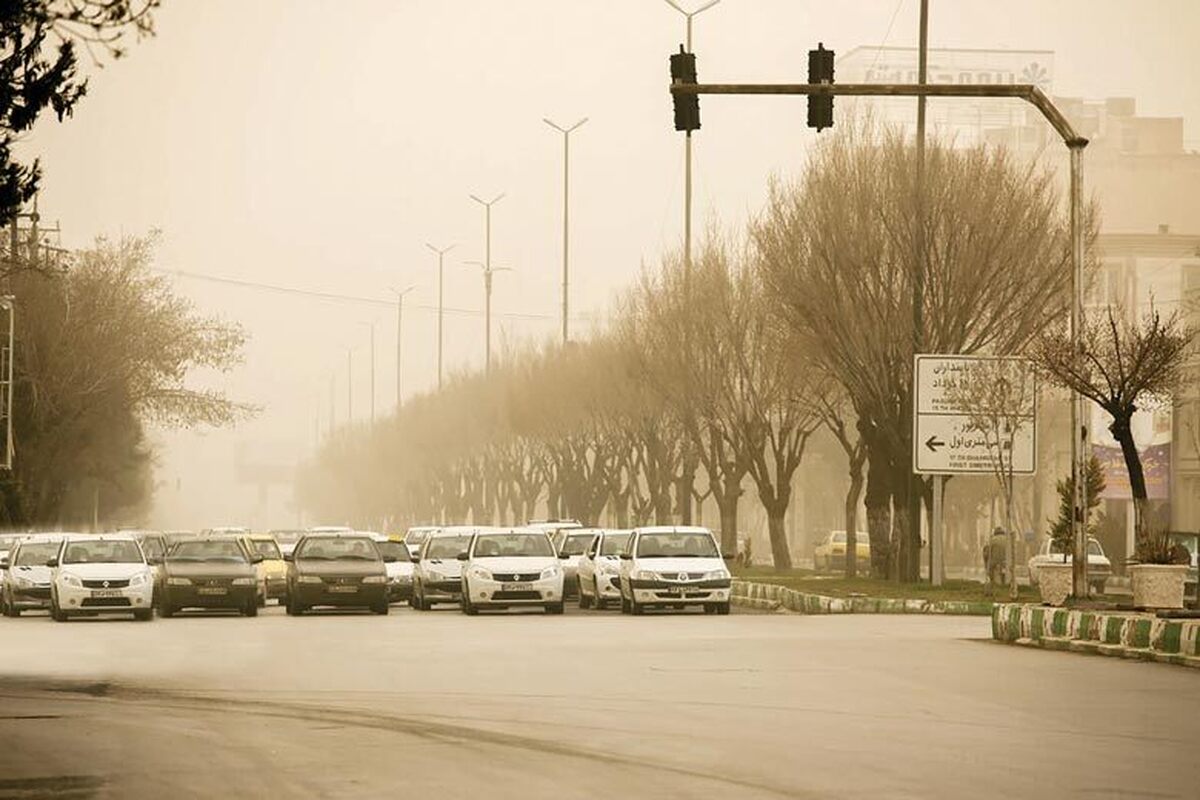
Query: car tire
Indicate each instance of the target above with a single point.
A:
(251, 609)
(554, 608)
(261, 601)
(10, 610)
(57, 614)
(381, 609)
(585, 602)
(166, 610)
(636, 608)
(143, 614)
(723, 608)
(624, 604)
(468, 607)
(600, 603)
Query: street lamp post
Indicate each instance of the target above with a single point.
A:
(487, 272)
(441, 253)
(566, 132)
(687, 153)
(400, 343)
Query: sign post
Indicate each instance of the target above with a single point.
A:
(972, 415)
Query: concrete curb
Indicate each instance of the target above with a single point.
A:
(771, 597)
(1110, 633)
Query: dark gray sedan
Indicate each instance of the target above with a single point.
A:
(210, 572)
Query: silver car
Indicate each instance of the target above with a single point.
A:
(25, 584)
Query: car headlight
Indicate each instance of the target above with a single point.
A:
(307, 579)
(138, 580)
(609, 568)
(375, 579)
(71, 580)
(245, 581)
(716, 575)
(22, 582)
(179, 581)
(551, 572)
(480, 573)
(644, 575)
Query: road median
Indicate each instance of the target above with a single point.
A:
(772, 597)
(1127, 634)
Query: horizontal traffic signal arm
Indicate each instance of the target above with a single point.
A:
(1022, 91)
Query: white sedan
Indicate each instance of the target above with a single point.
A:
(673, 567)
(1099, 567)
(599, 571)
(511, 567)
(100, 574)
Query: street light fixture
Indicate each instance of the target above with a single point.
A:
(440, 252)
(487, 268)
(400, 341)
(566, 132)
(487, 307)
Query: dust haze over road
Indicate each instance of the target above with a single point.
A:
(517, 705)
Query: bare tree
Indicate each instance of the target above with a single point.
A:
(1123, 364)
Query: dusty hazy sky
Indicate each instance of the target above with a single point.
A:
(319, 144)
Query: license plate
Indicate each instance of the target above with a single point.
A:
(106, 593)
(675, 590)
(211, 590)
(518, 587)
(343, 589)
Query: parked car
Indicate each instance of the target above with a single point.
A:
(1099, 566)
(415, 537)
(511, 567)
(338, 569)
(399, 567)
(831, 553)
(673, 567)
(7, 543)
(437, 572)
(210, 572)
(271, 570)
(1190, 542)
(100, 574)
(26, 578)
(570, 544)
(598, 578)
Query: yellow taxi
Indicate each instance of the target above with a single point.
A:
(272, 570)
(831, 553)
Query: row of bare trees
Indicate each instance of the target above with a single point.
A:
(712, 378)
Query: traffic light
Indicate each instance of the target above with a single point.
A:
(820, 70)
(687, 106)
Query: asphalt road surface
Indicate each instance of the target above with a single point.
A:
(587, 705)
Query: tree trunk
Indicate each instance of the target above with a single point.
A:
(851, 518)
(879, 515)
(780, 554)
(1122, 431)
(685, 484)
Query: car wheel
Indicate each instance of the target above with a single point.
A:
(723, 608)
(554, 608)
(143, 614)
(624, 604)
(261, 601)
(251, 609)
(585, 601)
(10, 610)
(56, 613)
(600, 603)
(166, 610)
(381, 609)
(636, 608)
(468, 607)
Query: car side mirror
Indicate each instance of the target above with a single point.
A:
(563, 556)
(52, 562)
(463, 556)
(390, 559)
(154, 561)
(288, 557)
(626, 556)
(729, 556)
(256, 558)
(3, 563)
(415, 559)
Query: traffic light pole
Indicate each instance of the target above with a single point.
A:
(1075, 143)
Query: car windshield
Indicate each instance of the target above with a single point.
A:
(7, 542)
(838, 538)
(102, 551)
(415, 539)
(287, 537)
(576, 543)
(152, 546)
(208, 550)
(447, 546)
(676, 545)
(507, 545)
(614, 544)
(35, 554)
(337, 548)
(1058, 549)
(1094, 549)
(395, 550)
(267, 549)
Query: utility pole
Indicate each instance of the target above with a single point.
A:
(916, 482)
(487, 273)
(487, 306)
(441, 253)
(687, 145)
(400, 344)
(566, 132)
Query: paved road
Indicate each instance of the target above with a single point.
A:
(584, 705)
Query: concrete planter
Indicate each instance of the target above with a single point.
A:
(1158, 585)
(1054, 582)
